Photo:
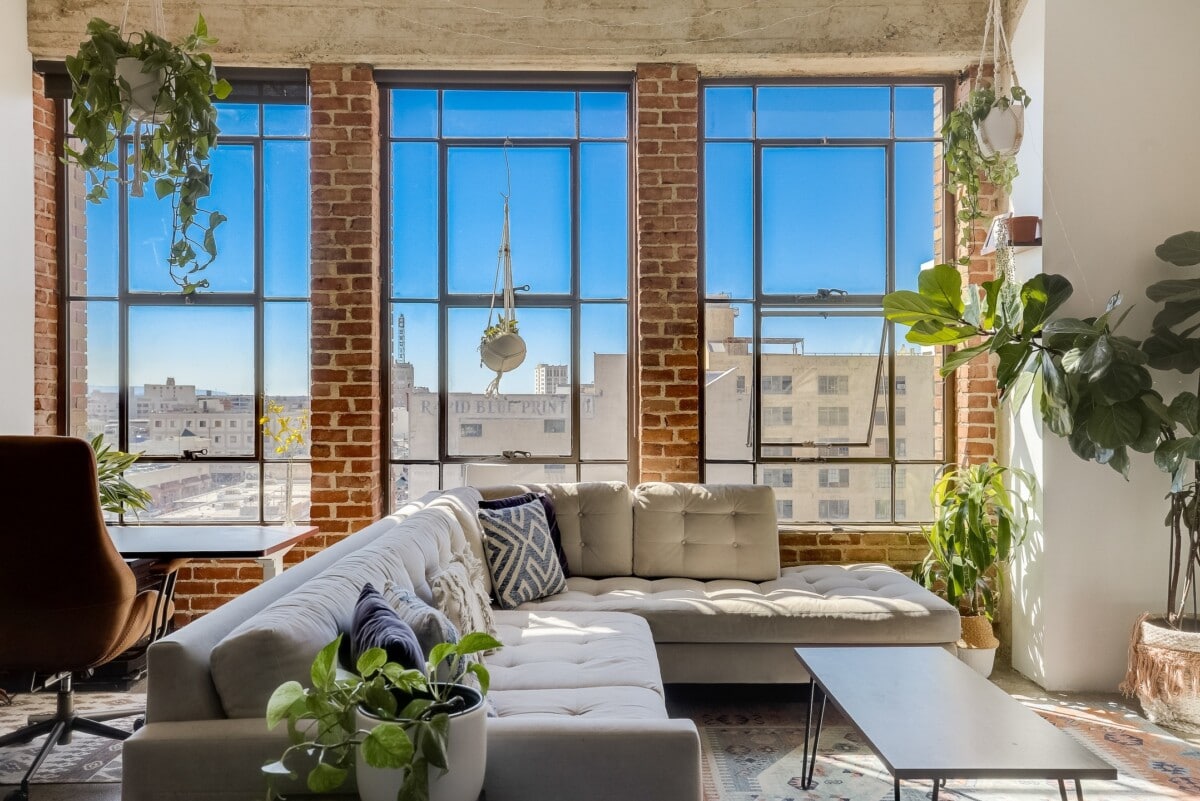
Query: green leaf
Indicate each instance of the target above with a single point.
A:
(1012, 360)
(1120, 462)
(1174, 291)
(222, 88)
(323, 671)
(476, 641)
(935, 333)
(957, 358)
(991, 292)
(1185, 410)
(371, 660)
(1056, 401)
(164, 187)
(942, 286)
(1093, 361)
(282, 700)
(481, 674)
(908, 308)
(438, 653)
(1182, 250)
(1168, 456)
(387, 746)
(1123, 382)
(325, 778)
(1042, 295)
(1115, 426)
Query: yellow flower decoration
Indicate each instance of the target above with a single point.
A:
(286, 431)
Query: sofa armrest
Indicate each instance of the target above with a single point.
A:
(592, 759)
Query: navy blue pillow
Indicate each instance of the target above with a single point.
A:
(548, 505)
(377, 625)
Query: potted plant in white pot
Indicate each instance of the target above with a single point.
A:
(1097, 390)
(978, 522)
(160, 95)
(409, 735)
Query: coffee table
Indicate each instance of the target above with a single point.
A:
(928, 716)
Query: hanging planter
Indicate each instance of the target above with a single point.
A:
(501, 348)
(160, 95)
(985, 132)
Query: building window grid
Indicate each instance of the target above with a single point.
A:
(446, 299)
(126, 298)
(767, 453)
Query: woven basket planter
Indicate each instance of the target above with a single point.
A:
(1164, 672)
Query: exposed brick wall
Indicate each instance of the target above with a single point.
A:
(668, 303)
(45, 263)
(900, 549)
(347, 459)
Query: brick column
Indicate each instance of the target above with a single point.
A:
(45, 262)
(975, 391)
(347, 459)
(668, 303)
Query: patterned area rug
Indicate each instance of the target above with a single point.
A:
(752, 751)
(86, 758)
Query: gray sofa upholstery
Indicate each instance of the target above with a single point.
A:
(675, 582)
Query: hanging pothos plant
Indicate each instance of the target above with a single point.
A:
(172, 128)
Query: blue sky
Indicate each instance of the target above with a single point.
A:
(824, 225)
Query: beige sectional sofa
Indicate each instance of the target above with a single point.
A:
(669, 582)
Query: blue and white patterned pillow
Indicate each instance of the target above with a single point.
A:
(520, 554)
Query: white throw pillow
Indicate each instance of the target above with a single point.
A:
(462, 601)
(521, 555)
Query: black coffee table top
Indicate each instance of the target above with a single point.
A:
(927, 715)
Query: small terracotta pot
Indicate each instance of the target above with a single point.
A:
(1023, 230)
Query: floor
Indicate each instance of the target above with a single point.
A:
(1011, 681)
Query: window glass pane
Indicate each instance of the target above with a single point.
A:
(824, 219)
(415, 220)
(918, 192)
(918, 111)
(603, 220)
(92, 355)
(728, 112)
(514, 419)
(540, 210)
(484, 474)
(728, 380)
(912, 489)
(603, 115)
(604, 472)
(414, 376)
(232, 195)
(281, 119)
(604, 381)
(237, 119)
(491, 113)
(286, 366)
(92, 237)
(414, 113)
(170, 394)
(275, 491)
(729, 220)
(810, 112)
(411, 481)
(716, 473)
(797, 352)
(919, 390)
(824, 494)
(285, 218)
(198, 492)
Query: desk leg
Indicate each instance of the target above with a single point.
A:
(809, 765)
(896, 787)
(271, 565)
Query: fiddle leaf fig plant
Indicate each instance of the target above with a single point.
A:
(1096, 385)
(169, 143)
(967, 167)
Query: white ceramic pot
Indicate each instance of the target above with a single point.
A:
(466, 757)
(981, 660)
(143, 89)
(503, 353)
(1002, 130)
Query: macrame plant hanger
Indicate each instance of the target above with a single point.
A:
(504, 350)
(1001, 132)
(138, 110)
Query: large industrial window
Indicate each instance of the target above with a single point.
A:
(181, 379)
(817, 200)
(561, 154)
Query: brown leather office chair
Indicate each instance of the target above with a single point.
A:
(68, 601)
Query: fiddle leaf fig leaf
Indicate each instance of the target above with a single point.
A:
(942, 286)
(908, 308)
(1114, 426)
(1182, 250)
(958, 358)
(991, 294)
(1185, 410)
(1042, 295)
(1093, 361)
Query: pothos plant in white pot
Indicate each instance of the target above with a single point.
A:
(144, 88)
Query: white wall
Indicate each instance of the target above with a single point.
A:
(16, 210)
(1117, 160)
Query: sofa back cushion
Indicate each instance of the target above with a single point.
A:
(705, 531)
(279, 643)
(596, 521)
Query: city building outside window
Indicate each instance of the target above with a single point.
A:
(153, 360)
(817, 200)
(783, 510)
(562, 155)
(778, 477)
(470, 429)
(833, 477)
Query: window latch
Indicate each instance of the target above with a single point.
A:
(192, 456)
(515, 454)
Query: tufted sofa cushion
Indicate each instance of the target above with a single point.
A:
(594, 664)
(808, 604)
(596, 520)
(700, 531)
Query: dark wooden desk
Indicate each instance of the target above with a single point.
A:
(926, 715)
(264, 544)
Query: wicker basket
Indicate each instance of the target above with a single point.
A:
(977, 633)
(1164, 672)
